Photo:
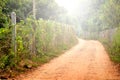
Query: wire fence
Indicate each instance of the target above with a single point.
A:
(104, 34)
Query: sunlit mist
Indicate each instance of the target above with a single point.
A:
(75, 6)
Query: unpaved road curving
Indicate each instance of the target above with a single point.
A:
(86, 61)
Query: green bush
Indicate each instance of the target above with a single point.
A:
(7, 61)
(115, 47)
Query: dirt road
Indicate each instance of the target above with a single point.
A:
(86, 61)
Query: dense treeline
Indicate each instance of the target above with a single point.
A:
(46, 9)
(104, 14)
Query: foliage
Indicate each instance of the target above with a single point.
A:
(46, 9)
(114, 48)
(7, 61)
(51, 38)
(47, 33)
(3, 17)
(5, 41)
(105, 14)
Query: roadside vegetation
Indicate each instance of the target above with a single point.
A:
(37, 40)
(114, 47)
(51, 39)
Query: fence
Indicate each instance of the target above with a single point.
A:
(105, 34)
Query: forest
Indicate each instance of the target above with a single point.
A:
(51, 31)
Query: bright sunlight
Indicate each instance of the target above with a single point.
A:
(75, 6)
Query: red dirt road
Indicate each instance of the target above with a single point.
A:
(88, 60)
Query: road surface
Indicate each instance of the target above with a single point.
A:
(88, 60)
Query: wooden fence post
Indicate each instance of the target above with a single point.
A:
(13, 20)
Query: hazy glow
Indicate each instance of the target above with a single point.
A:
(75, 6)
(70, 5)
